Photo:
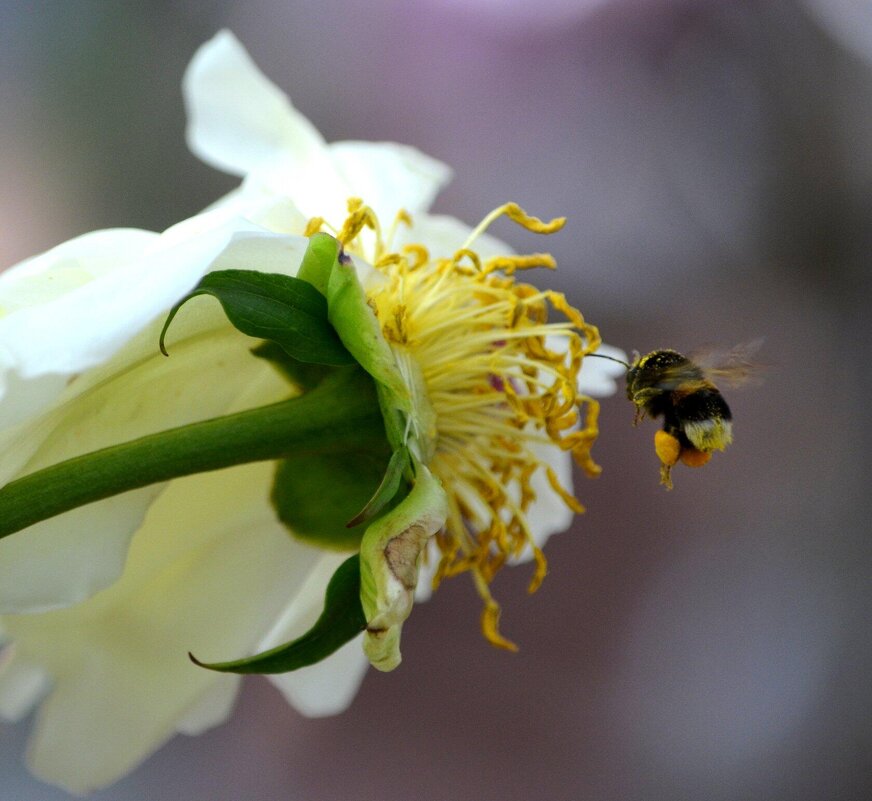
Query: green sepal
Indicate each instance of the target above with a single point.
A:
(341, 621)
(316, 494)
(389, 557)
(318, 261)
(360, 332)
(279, 308)
(332, 272)
(399, 464)
(303, 375)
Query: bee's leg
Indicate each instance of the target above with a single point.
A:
(640, 400)
(668, 450)
(665, 477)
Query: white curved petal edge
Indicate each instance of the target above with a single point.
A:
(118, 663)
(598, 377)
(328, 687)
(238, 120)
(113, 283)
(390, 176)
(211, 709)
(22, 685)
(68, 558)
(41, 302)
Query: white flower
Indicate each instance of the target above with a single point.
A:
(103, 603)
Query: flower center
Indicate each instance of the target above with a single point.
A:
(493, 390)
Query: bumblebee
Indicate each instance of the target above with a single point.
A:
(696, 419)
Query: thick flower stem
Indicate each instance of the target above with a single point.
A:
(341, 413)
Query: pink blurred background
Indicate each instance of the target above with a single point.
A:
(715, 161)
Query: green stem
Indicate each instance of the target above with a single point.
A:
(342, 412)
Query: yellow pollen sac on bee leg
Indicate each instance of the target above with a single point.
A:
(694, 458)
(668, 450)
(667, 447)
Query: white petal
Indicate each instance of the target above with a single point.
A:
(23, 398)
(426, 571)
(598, 376)
(389, 176)
(206, 573)
(69, 332)
(238, 120)
(211, 709)
(548, 514)
(138, 392)
(68, 266)
(68, 558)
(255, 202)
(21, 686)
(53, 302)
(328, 687)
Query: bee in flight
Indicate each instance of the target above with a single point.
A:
(696, 419)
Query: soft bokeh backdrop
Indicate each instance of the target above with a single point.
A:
(715, 160)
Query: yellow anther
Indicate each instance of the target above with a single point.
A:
(388, 260)
(403, 218)
(313, 226)
(468, 255)
(491, 391)
(568, 498)
(421, 254)
(516, 214)
(490, 627)
(541, 569)
(509, 264)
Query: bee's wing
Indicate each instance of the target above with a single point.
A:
(672, 378)
(733, 367)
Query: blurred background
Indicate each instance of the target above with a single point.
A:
(715, 161)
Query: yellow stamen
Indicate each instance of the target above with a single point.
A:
(570, 500)
(508, 264)
(488, 393)
(516, 214)
(490, 626)
(313, 226)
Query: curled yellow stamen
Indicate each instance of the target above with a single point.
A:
(516, 214)
(490, 393)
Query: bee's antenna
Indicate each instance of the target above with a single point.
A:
(610, 358)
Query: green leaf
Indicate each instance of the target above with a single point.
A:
(397, 466)
(342, 620)
(275, 307)
(316, 494)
